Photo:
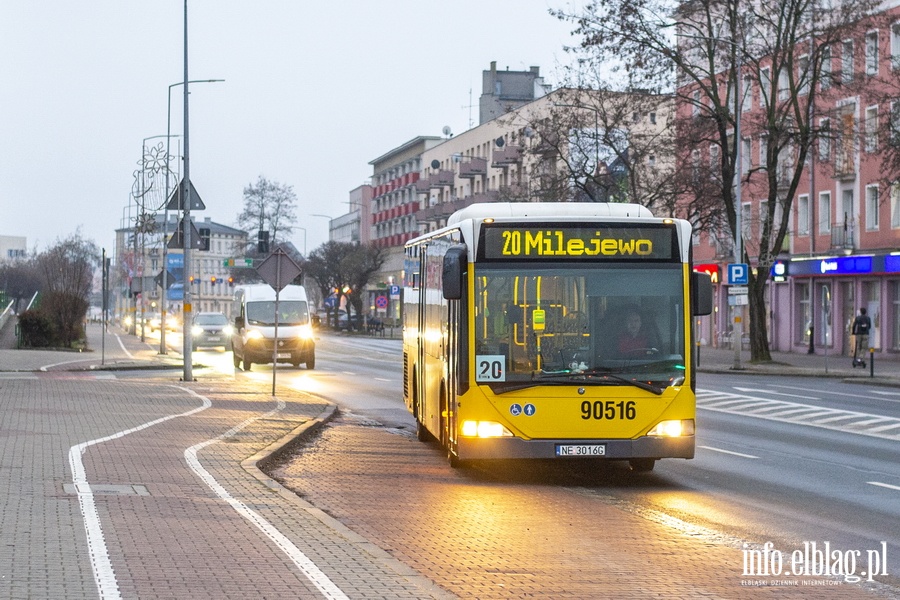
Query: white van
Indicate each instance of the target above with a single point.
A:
(253, 340)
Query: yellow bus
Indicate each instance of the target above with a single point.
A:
(553, 330)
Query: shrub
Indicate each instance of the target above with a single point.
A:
(35, 329)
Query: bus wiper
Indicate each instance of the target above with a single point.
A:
(590, 375)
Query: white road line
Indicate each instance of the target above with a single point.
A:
(727, 452)
(306, 566)
(104, 575)
(382, 379)
(764, 391)
(884, 485)
(121, 345)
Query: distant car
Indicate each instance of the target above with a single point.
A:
(211, 330)
(153, 321)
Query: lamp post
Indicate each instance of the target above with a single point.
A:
(165, 283)
(304, 241)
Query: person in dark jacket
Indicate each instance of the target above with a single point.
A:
(861, 326)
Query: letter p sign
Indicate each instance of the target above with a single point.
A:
(738, 274)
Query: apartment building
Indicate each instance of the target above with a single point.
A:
(843, 246)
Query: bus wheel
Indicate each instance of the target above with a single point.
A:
(642, 465)
(453, 459)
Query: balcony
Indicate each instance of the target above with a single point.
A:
(441, 178)
(504, 157)
(473, 167)
(423, 185)
(842, 236)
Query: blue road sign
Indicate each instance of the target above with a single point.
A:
(738, 274)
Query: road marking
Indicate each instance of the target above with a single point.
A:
(727, 452)
(800, 414)
(104, 575)
(884, 485)
(740, 389)
(382, 379)
(303, 562)
(122, 345)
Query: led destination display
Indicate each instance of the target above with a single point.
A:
(578, 242)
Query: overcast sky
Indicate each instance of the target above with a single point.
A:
(313, 91)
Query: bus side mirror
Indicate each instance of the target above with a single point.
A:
(454, 272)
(701, 293)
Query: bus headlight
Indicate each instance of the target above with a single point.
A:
(673, 428)
(484, 429)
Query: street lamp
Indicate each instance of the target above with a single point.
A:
(304, 241)
(165, 256)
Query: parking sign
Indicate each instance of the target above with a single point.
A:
(738, 274)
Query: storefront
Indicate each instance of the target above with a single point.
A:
(815, 304)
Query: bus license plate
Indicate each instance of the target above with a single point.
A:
(581, 450)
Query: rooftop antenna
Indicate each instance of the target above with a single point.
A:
(470, 106)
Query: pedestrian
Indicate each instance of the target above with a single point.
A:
(861, 326)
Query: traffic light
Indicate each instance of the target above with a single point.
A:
(212, 280)
(194, 280)
(262, 242)
(204, 238)
(231, 281)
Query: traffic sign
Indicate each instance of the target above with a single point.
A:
(237, 262)
(738, 274)
(394, 291)
(738, 290)
(279, 269)
(176, 202)
(381, 301)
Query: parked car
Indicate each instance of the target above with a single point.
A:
(211, 330)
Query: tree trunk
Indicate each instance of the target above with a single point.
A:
(759, 329)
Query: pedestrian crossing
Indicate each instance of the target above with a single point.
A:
(802, 414)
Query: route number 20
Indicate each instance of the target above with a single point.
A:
(490, 367)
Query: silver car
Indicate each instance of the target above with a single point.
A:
(211, 330)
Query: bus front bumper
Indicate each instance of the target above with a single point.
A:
(615, 449)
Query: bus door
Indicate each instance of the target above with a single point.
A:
(421, 326)
(455, 333)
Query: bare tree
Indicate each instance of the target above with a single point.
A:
(269, 206)
(344, 269)
(704, 52)
(67, 270)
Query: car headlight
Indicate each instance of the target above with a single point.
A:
(228, 330)
(196, 330)
(254, 334)
(674, 428)
(484, 429)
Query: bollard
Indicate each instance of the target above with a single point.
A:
(871, 362)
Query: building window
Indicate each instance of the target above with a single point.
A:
(745, 155)
(872, 207)
(847, 61)
(825, 212)
(763, 151)
(695, 104)
(765, 87)
(746, 95)
(824, 139)
(895, 206)
(894, 129)
(895, 45)
(653, 118)
(825, 76)
(872, 53)
(871, 143)
(803, 75)
(784, 84)
(803, 215)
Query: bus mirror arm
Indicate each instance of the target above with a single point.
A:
(701, 293)
(453, 274)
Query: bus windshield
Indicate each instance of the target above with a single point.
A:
(586, 324)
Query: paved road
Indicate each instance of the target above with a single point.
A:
(134, 484)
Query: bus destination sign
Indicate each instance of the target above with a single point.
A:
(578, 242)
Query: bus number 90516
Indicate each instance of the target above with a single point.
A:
(609, 410)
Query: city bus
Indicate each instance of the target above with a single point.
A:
(553, 331)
